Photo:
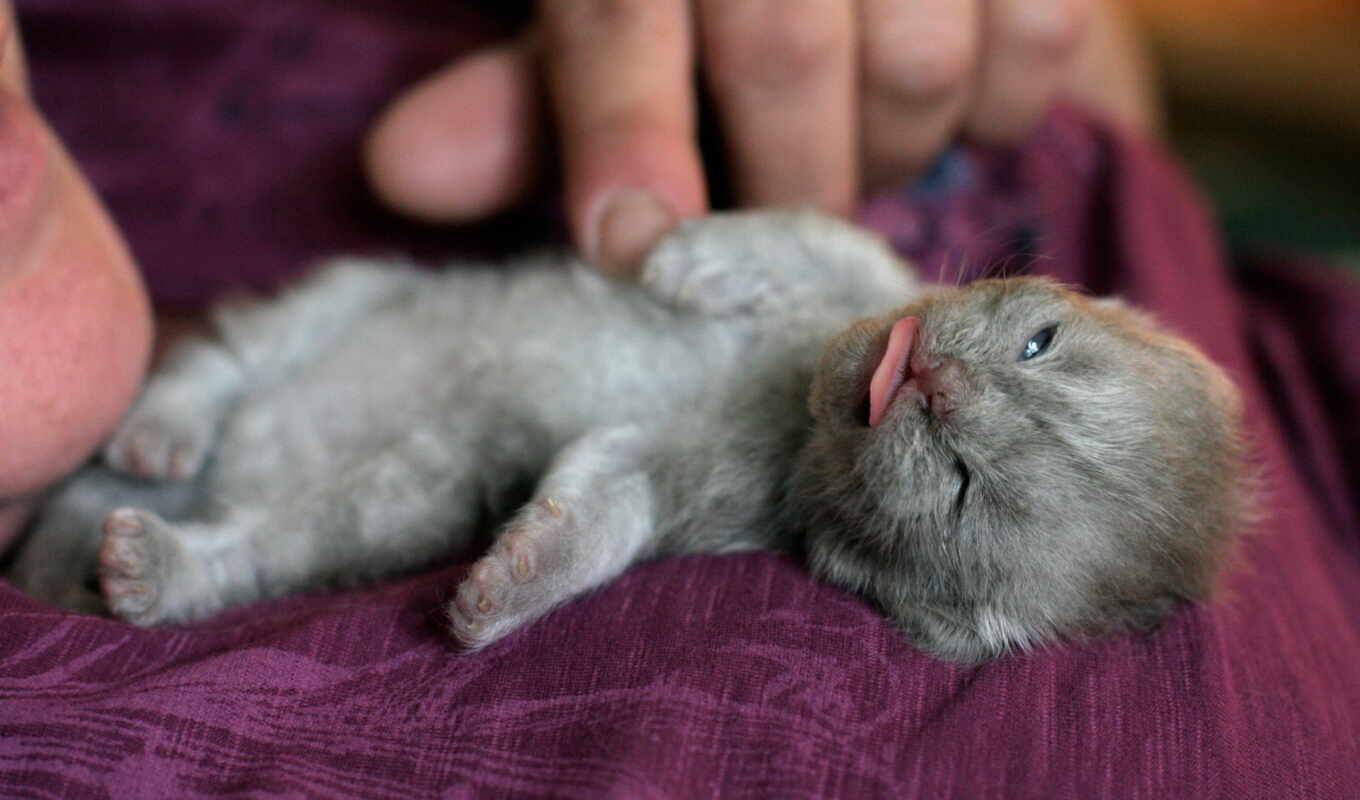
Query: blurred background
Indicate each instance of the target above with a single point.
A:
(1263, 105)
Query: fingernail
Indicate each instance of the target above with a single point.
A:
(629, 224)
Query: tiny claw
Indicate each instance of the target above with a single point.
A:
(552, 507)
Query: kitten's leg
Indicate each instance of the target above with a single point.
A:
(592, 516)
(167, 433)
(769, 262)
(172, 426)
(396, 509)
(57, 558)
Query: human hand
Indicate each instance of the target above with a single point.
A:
(75, 326)
(817, 99)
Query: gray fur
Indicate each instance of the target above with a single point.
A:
(365, 422)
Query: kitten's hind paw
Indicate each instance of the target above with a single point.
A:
(156, 448)
(508, 587)
(136, 561)
(591, 521)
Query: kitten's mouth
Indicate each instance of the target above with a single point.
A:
(893, 370)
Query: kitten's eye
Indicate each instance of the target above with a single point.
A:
(1038, 343)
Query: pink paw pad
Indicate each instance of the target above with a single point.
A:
(125, 563)
(521, 551)
(479, 594)
(504, 589)
(154, 451)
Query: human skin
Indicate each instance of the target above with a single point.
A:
(818, 101)
(75, 325)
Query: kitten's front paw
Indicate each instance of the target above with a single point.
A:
(138, 559)
(524, 575)
(698, 267)
(158, 447)
(771, 262)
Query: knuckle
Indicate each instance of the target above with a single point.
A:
(773, 44)
(918, 65)
(1053, 28)
(624, 122)
(572, 22)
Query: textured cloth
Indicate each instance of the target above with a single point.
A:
(224, 137)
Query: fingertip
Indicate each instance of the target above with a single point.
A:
(461, 144)
(619, 74)
(625, 187)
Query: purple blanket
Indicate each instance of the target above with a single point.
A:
(224, 137)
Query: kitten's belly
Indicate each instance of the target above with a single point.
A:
(549, 361)
(402, 373)
(372, 389)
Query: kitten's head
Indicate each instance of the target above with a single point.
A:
(1011, 462)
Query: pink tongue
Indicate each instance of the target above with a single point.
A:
(892, 370)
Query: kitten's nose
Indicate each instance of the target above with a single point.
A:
(942, 382)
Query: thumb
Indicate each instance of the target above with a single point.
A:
(463, 143)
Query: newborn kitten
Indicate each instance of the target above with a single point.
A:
(994, 466)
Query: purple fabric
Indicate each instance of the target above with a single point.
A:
(223, 136)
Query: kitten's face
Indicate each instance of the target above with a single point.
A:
(1009, 462)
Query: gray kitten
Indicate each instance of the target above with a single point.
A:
(994, 466)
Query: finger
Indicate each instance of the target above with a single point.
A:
(619, 77)
(1027, 48)
(1112, 72)
(917, 60)
(463, 143)
(784, 79)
